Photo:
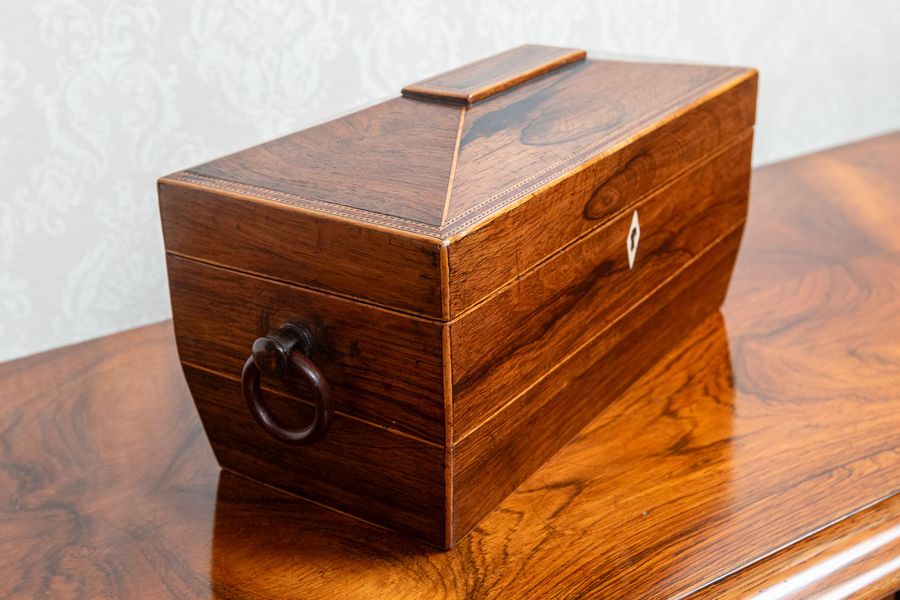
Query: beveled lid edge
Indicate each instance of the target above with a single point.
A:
(486, 211)
(478, 216)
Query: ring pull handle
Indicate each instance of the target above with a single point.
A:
(286, 352)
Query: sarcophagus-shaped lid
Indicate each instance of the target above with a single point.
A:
(427, 202)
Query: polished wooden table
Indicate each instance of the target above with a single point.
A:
(760, 456)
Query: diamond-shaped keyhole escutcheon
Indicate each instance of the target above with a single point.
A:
(634, 236)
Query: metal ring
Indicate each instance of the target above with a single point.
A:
(324, 410)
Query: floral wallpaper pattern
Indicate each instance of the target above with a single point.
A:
(100, 97)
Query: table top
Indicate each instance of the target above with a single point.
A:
(762, 455)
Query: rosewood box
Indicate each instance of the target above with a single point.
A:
(403, 312)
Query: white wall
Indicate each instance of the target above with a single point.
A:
(98, 98)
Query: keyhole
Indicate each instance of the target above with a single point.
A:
(633, 233)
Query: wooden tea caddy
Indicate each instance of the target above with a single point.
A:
(403, 312)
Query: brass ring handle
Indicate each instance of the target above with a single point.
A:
(282, 352)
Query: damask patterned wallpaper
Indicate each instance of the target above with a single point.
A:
(100, 97)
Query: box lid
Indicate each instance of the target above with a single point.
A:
(457, 152)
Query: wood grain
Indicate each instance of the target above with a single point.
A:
(492, 75)
(766, 442)
(556, 308)
(383, 367)
(516, 240)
